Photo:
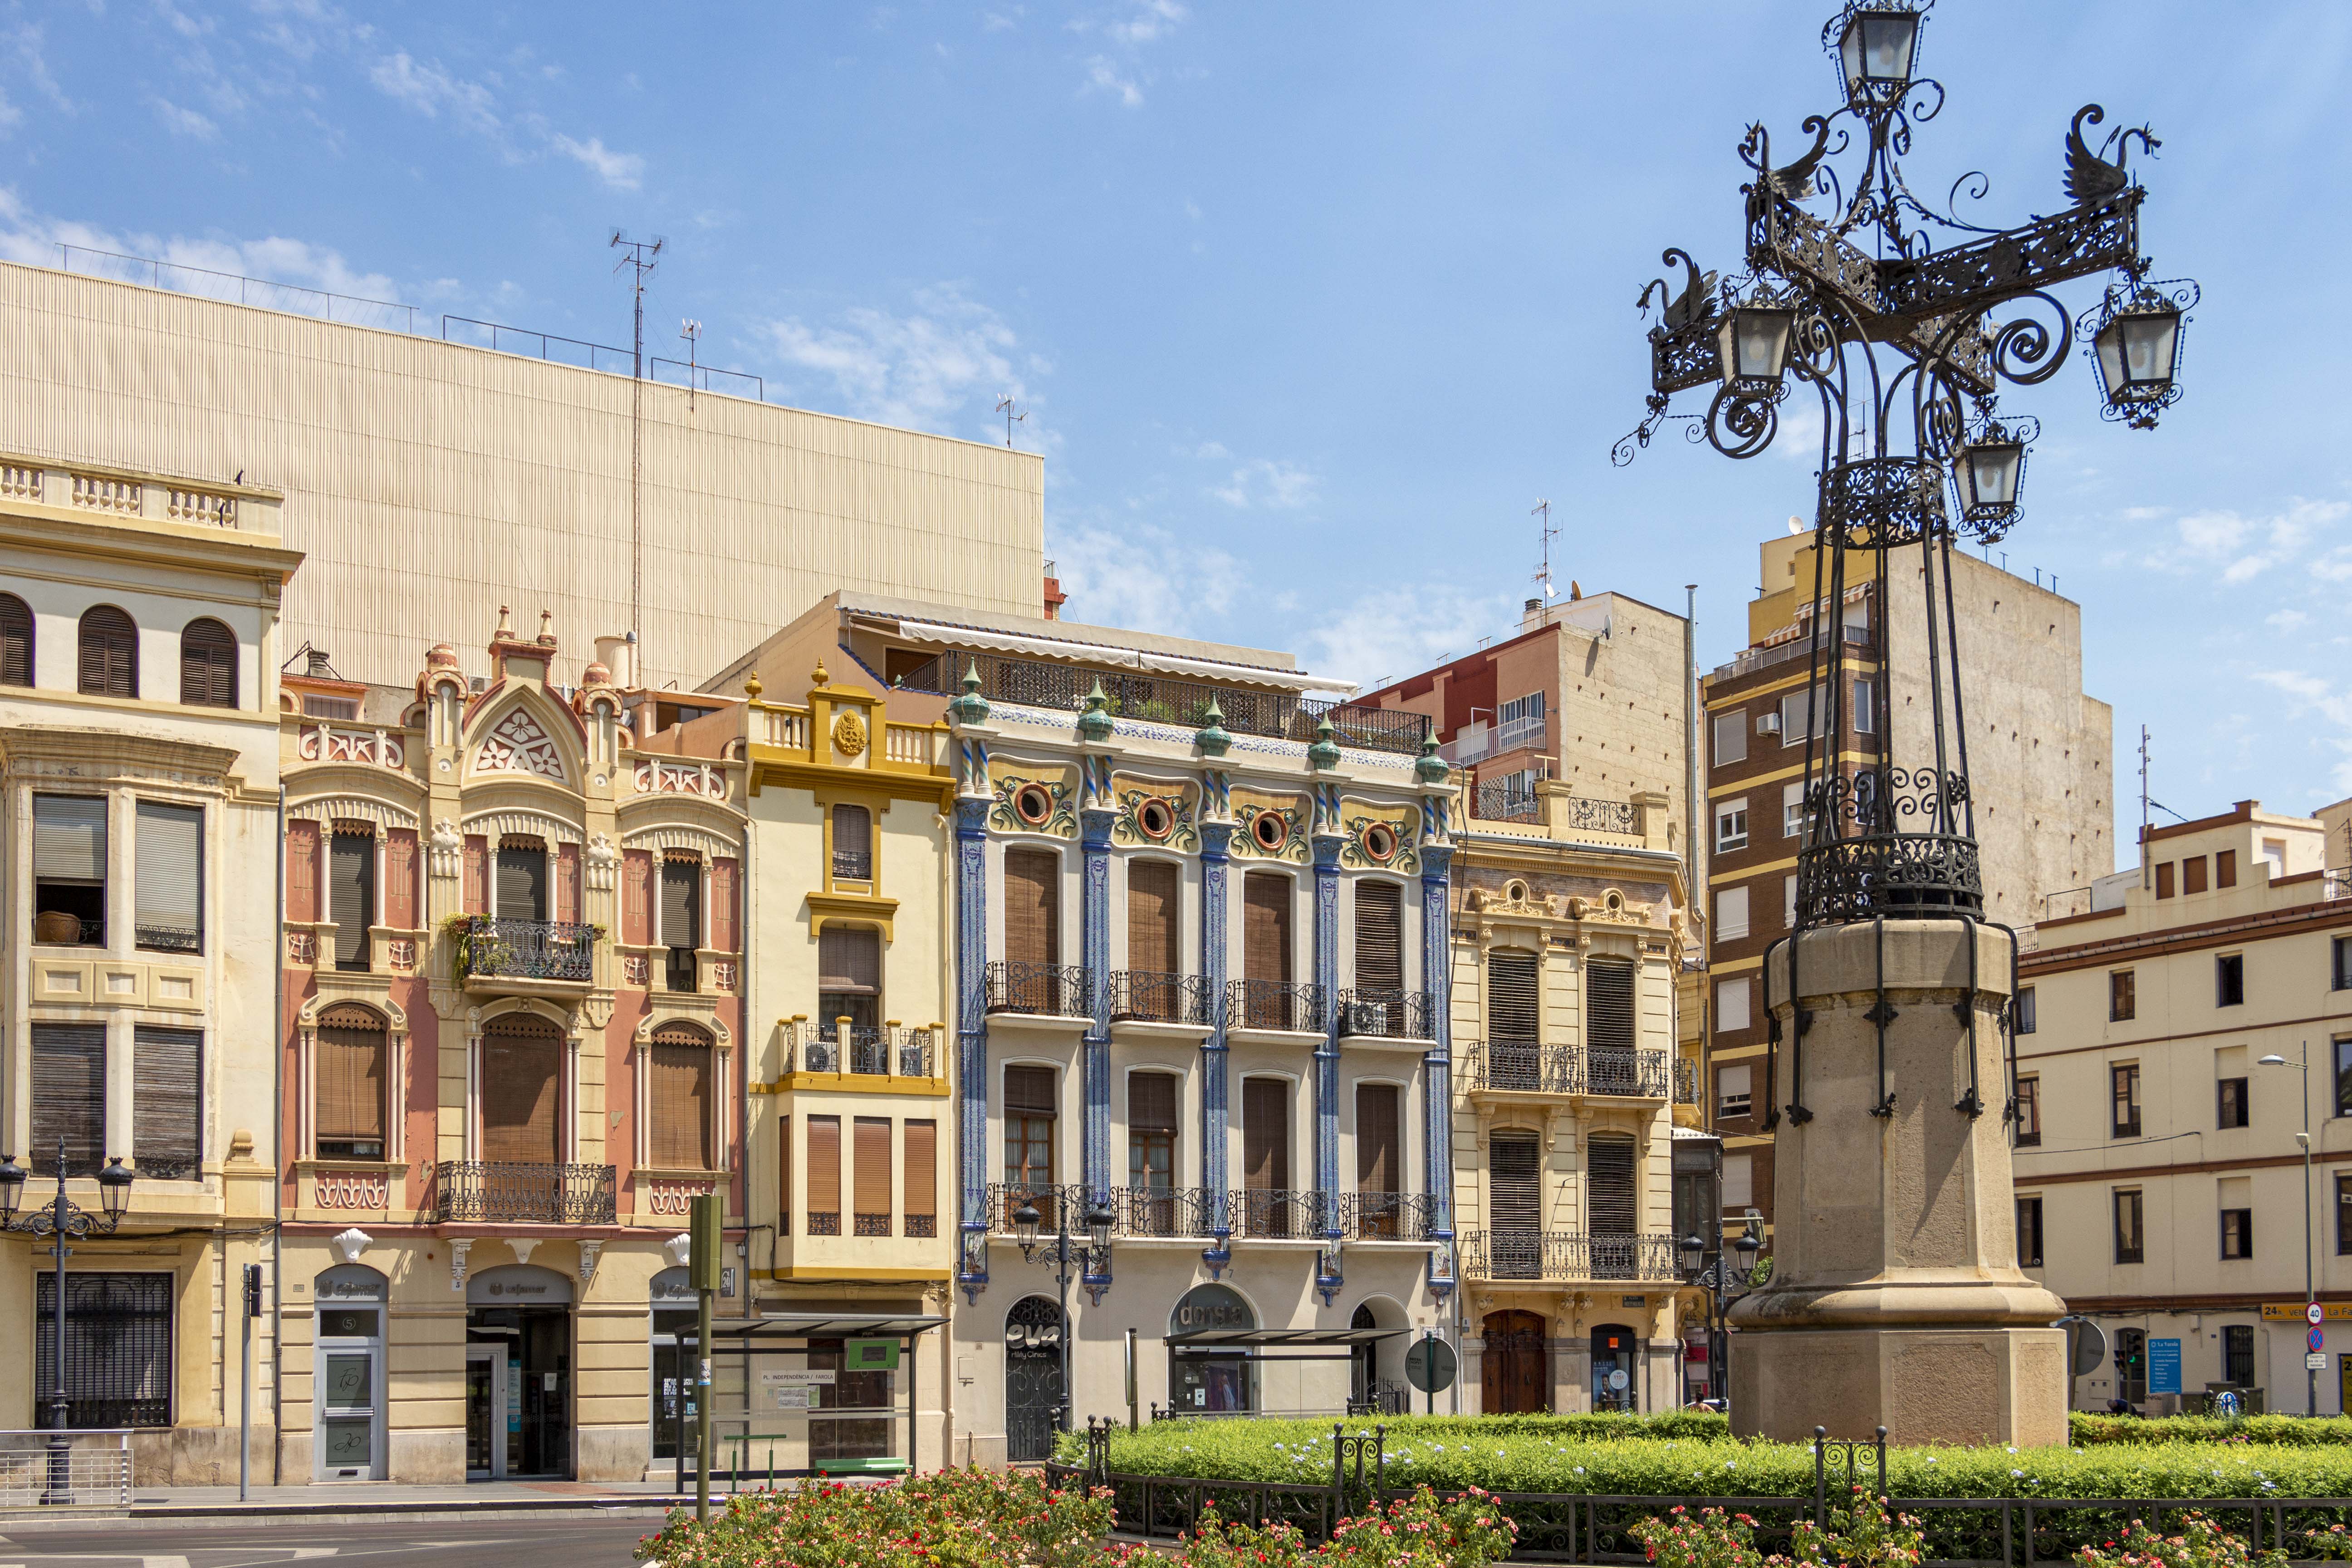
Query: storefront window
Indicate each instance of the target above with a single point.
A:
(1207, 1381)
(350, 1301)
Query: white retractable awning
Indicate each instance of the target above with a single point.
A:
(1133, 659)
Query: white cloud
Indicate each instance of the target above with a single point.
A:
(30, 237)
(182, 121)
(919, 369)
(1281, 487)
(1393, 632)
(1103, 77)
(2285, 620)
(2241, 548)
(2312, 696)
(36, 67)
(1141, 577)
(1148, 22)
(620, 171)
(429, 90)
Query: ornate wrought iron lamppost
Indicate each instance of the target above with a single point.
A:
(61, 1219)
(1091, 1256)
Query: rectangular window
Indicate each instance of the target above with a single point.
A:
(852, 843)
(2029, 1233)
(681, 1094)
(2123, 1079)
(1731, 1009)
(117, 1346)
(1730, 737)
(2225, 868)
(2192, 874)
(1151, 940)
(1731, 913)
(521, 1084)
(2129, 1246)
(921, 1202)
(1792, 810)
(69, 871)
(2026, 1018)
(1265, 1134)
(2344, 1077)
(849, 986)
(2230, 1108)
(2029, 1113)
(2341, 979)
(2164, 881)
(872, 1186)
(1734, 1089)
(1033, 906)
(2230, 979)
(350, 1064)
(2344, 1216)
(167, 1102)
(1738, 1182)
(1150, 1130)
(1865, 712)
(2238, 1354)
(1514, 1005)
(1380, 936)
(1731, 823)
(2123, 997)
(824, 1175)
(168, 877)
(520, 888)
(1029, 1116)
(351, 895)
(681, 920)
(1266, 927)
(68, 1096)
(2237, 1233)
(1800, 712)
(1514, 1193)
(1608, 1004)
(1528, 707)
(1380, 1142)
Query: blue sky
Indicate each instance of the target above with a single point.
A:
(1308, 304)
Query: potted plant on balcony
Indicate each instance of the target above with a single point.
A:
(470, 952)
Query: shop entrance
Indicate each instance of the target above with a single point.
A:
(1514, 1375)
(518, 1373)
(676, 1424)
(1616, 1368)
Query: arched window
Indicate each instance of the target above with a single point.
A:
(108, 653)
(207, 665)
(352, 1066)
(16, 641)
(682, 1065)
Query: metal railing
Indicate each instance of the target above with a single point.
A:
(1566, 1255)
(1850, 638)
(1494, 740)
(171, 939)
(1514, 1067)
(1147, 996)
(1291, 1005)
(91, 1471)
(1282, 716)
(180, 279)
(497, 1192)
(1505, 801)
(1523, 1066)
(1618, 1070)
(1386, 1015)
(1005, 1198)
(1274, 1213)
(877, 1049)
(1686, 1082)
(1052, 990)
(1588, 814)
(496, 947)
(856, 865)
(1147, 1212)
(1387, 1216)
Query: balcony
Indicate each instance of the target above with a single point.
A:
(853, 865)
(1293, 1006)
(1850, 640)
(1385, 1014)
(494, 1192)
(1506, 799)
(1274, 1213)
(1686, 1082)
(1149, 996)
(1171, 1213)
(495, 948)
(1565, 1257)
(1005, 1198)
(1476, 743)
(1040, 990)
(879, 1051)
(1620, 1072)
(1523, 1066)
(1387, 1216)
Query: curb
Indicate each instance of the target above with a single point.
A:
(199, 1514)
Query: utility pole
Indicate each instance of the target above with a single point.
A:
(640, 259)
(1546, 533)
(706, 1238)
(2144, 819)
(1691, 739)
(1005, 406)
(245, 1398)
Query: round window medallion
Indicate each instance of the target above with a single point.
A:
(1270, 830)
(1517, 892)
(1380, 842)
(1034, 804)
(1156, 819)
(1616, 901)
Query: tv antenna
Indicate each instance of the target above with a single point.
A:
(1547, 533)
(691, 330)
(1005, 406)
(639, 255)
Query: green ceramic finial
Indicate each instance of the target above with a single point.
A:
(1211, 738)
(1325, 751)
(1430, 769)
(1094, 724)
(969, 707)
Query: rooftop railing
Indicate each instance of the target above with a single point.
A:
(1850, 638)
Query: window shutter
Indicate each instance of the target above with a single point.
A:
(853, 840)
(16, 642)
(167, 1101)
(1032, 907)
(68, 1096)
(301, 870)
(1514, 1182)
(400, 879)
(207, 665)
(108, 653)
(849, 958)
(1150, 1102)
(1265, 926)
(922, 1199)
(871, 1173)
(1608, 1004)
(637, 897)
(785, 1171)
(564, 902)
(681, 902)
(1380, 936)
(681, 1101)
(350, 1063)
(521, 1056)
(1265, 1134)
(350, 892)
(478, 875)
(522, 879)
(824, 1167)
(1029, 1091)
(1514, 1008)
(1380, 1159)
(1609, 1175)
(722, 905)
(70, 837)
(168, 881)
(1151, 917)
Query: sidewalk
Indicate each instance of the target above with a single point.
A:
(374, 1500)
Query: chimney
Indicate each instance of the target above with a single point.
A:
(1535, 615)
(1055, 597)
(318, 669)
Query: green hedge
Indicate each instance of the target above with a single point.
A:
(2295, 1431)
(1648, 1456)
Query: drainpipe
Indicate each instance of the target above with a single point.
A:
(1690, 716)
(277, 1160)
(743, 1016)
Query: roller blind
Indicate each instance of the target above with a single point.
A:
(1731, 912)
(1265, 1134)
(1380, 1159)
(681, 1101)
(207, 665)
(850, 958)
(169, 880)
(16, 642)
(69, 1096)
(1514, 1010)
(1029, 1091)
(1608, 1004)
(1609, 1175)
(70, 837)
(1380, 936)
(522, 881)
(1033, 906)
(1150, 1102)
(351, 893)
(350, 1064)
(825, 1166)
(520, 1057)
(1151, 917)
(922, 1199)
(109, 654)
(167, 1101)
(681, 903)
(1514, 1182)
(853, 839)
(1265, 926)
(871, 1172)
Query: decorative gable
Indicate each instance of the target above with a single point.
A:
(517, 745)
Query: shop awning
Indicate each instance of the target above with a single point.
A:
(820, 1326)
(1247, 1339)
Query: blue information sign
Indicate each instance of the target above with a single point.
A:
(2164, 1366)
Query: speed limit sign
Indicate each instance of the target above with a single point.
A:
(2313, 1315)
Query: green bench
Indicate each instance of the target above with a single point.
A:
(874, 1467)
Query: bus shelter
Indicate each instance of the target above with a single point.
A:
(810, 1394)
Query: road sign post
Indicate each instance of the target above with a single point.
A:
(704, 1233)
(1430, 1366)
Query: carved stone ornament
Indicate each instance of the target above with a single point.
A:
(589, 1253)
(679, 1247)
(458, 1250)
(448, 848)
(517, 745)
(849, 734)
(350, 1243)
(602, 857)
(523, 1249)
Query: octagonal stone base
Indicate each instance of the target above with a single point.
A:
(1924, 1385)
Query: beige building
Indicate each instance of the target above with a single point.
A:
(139, 768)
(2160, 1181)
(466, 475)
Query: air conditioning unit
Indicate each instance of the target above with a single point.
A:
(1768, 723)
(822, 1057)
(1368, 1018)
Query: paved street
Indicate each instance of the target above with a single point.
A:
(568, 1541)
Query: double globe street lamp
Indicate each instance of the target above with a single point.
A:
(1092, 1257)
(1703, 1267)
(62, 1220)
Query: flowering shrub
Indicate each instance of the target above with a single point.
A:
(1422, 1532)
(1713, 1539)
(2202, 1543)
(949, 1519)
(1863, 1534)
(2333, 1544)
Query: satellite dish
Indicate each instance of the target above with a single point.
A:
(1575, 589)
(1796, 526)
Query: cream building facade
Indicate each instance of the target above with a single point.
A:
(138, 648)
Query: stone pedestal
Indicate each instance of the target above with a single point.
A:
(1895, 1298)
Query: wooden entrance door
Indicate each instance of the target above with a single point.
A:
(1513, 1377)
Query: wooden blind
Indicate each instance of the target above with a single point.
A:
(207, 665)
(521, 1058)
(681, 902)
(169, 880)
(1033, 906)
(784, 1169)
(167, 1100)
(16, 642)
(853, 832)
(1513, 998)
(1380, 1157)
(565, 901)
(922, 1161)
(70, 837)
(723, 875)
(301, 870)
(637, 897)
(478, 875)
(1608, 1004)
(350, 892)
(1151, 917)
(871, 1171)
(1265, 926)
(681, 1067)
(1515, 1181)
(1265, 1134)
(1609, 1177)
(400, 879)
(109, 657)
(522, 879)
(68, 1096)
(849, 958)
(350, 1062)
(825, 1164)
(1150, 1102)
(1029, 1090)
(1380, 936)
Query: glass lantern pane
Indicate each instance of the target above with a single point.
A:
(1887, 46)
(1850, 52)
(2148, 343)
(1761, 339)
(1994, 468)
(2110, 346)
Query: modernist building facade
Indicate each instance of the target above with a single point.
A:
(512, 1054)
(139, 627)
(2160, 1189)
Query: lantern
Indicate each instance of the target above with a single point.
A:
(1987, 472)
(114, 1187)
(1025, 1227)
(1755, 342)
(1875, 53)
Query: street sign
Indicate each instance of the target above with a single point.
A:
(2317, 1339)
(2315, 1362)
(2314, 1315)
(1429, 1365)
(2086, 1345)
(2164, 1366)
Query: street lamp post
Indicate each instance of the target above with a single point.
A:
(61, 1220)
(2310, 1282)
(1092, 1258)
(1702, 1260)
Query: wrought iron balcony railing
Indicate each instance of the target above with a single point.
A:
(1051, 990)
(171, 939)
(1387, 1216)
(529, 949)
(1506, 800)
(906, 1053)
(857, 864)
(497, 1193)
(1145, 995)
(1005, 1198)
(1686, 1082)
(1565, 1256)
(1614, 1070)
(1272, 1214)
(1523, 1066)
(1295, 1006)
(1174, 1212)
(1386, 1015)
(1589, 814)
